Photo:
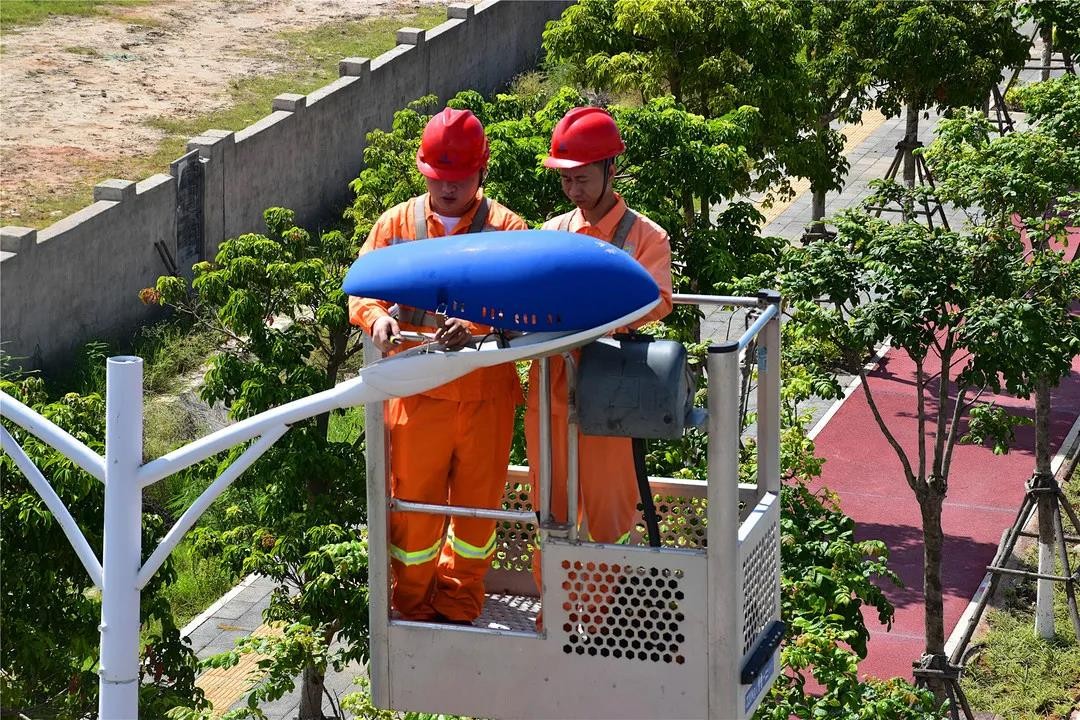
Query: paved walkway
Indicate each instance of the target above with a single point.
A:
(239, 614)
(984, 494)
(985, 491)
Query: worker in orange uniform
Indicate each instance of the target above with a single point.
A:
(584, 146)
(450, 444)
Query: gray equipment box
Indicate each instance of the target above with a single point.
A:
(634, 387)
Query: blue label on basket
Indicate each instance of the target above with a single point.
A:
(760, 683)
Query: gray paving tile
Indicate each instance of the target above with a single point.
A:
(284, 707)
(248, 620)
(344, 682)
(234, 609)
(203, 635)
(224, 641)
(255, 593)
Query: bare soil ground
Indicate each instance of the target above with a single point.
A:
(79, 90)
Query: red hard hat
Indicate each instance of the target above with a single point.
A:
(584, 135)
(453, 146)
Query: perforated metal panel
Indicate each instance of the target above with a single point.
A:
(758, 568)
(514, 540)
(759, 559)
(627, 605)
(681, 520)
(631, 612)
(498, 668)
(681, 505)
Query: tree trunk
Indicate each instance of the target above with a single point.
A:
(817, 208)
(689, 222)
(817, 212)
(695, 324)
(1047, 50)
(339, 344)
(911, 136)
(933, 540)
(1044, 598)
(311, 695)
(675, 85)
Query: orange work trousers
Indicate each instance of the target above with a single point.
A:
(445, 452)
(607, 482)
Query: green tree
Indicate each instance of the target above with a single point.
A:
(801, 64)
(275, 301)
(1031, 175)
(972, 316)
(389, 176)
(1028, 179)
(713, 249)
(839, 74)
(936, 54)
(51, 610)
(1058, 24)
(827, 576)
(709, 56)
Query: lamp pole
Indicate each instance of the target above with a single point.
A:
(122, 546)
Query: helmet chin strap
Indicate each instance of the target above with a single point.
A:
(608, 162)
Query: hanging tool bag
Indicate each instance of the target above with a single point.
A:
(634, 386)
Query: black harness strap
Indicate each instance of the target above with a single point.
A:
(622, 230)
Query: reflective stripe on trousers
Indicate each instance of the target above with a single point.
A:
(416, 557)
(473, 552)
(437, 457)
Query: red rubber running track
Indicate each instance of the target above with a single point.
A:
(984, 495)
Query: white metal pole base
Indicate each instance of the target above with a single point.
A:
(118, 697)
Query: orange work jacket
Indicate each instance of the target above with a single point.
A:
(399, 224)
(645, 241)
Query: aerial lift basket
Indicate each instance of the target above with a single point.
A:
(686, 630)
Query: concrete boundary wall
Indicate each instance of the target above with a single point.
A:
(78, 280)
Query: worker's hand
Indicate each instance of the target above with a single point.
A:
(454, 334)
(383, 332)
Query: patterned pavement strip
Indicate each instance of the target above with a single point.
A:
(224, 686)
